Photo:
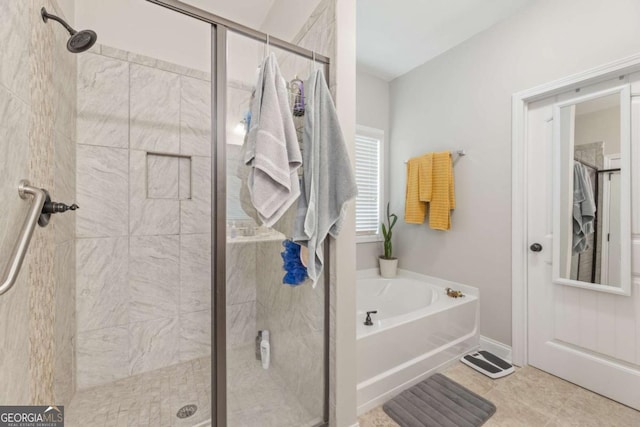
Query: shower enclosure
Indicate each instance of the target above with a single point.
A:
(161, 282)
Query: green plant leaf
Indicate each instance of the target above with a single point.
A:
(395, 219)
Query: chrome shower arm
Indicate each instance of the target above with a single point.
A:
(12, 268)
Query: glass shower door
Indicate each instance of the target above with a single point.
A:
(288, 390)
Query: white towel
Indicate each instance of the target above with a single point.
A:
(271, 149)
(328, 181)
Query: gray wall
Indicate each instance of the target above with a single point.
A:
(372, 110)
(37, 132)
(462, 99)
(143, 230)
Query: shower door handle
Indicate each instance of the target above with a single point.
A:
(12, 268)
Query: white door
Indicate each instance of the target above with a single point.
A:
(576, 332)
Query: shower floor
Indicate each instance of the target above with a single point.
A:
(152, 399)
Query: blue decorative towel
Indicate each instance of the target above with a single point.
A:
(296, 271)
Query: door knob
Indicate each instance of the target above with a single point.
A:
(536, 247)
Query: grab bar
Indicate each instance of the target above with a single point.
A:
(22, 244)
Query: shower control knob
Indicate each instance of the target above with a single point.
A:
(536, 247)
(50, 207)
(56, 207)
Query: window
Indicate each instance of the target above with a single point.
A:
(369, 173)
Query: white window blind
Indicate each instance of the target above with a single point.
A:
(369, 143)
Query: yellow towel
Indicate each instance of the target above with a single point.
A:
(443, 194)
(430, 179)
(418, 188)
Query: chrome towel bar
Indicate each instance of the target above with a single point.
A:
(12, 269)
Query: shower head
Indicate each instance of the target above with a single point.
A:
(79, 41)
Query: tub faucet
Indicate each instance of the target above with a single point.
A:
(368, 321)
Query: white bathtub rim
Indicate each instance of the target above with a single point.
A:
(441, 303)
(373, 273)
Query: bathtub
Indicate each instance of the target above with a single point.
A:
(418, 329)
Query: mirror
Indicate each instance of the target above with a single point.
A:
(592, 210)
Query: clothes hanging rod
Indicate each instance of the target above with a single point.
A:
(203, 15)
(459, 153)
(596, 169)
(609, 170)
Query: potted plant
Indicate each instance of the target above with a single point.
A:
(388, 263)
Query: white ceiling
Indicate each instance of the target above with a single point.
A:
(250, 13)
(279, 18)
(393, 37)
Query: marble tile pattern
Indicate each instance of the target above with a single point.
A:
(241, 272)
(195, 272)
(102, 283)
(195, 335)
(257, 398)
(102, 191)
(14, 308)
(531, 397)
(154, 274)
(15, 29)
(163, 176)
(184, 178)
(14, 150)
(195, 213)
(103, 101)
(41, 88)
(65, 68)
(155, 109)
(241, 324)
(102, 356)
(195, 116)
(64, 159)
(153, 398)
(295, 318)
(41, 171)
(145, 194)
(149, 217)
(65, 322)
(149, 399)
(153, 344)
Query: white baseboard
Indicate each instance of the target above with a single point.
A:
(496, 347)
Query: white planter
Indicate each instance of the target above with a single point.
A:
(388, 267)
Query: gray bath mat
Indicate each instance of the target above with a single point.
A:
(439, 402)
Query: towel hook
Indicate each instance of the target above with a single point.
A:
(313, 61)
(266, 47)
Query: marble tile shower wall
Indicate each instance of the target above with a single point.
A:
(37, 134)
(295, 317)
(143, 230)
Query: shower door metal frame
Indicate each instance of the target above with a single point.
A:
(219, 30)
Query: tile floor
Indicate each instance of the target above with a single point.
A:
(149, 399)
(530, 397)
(152, 399)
